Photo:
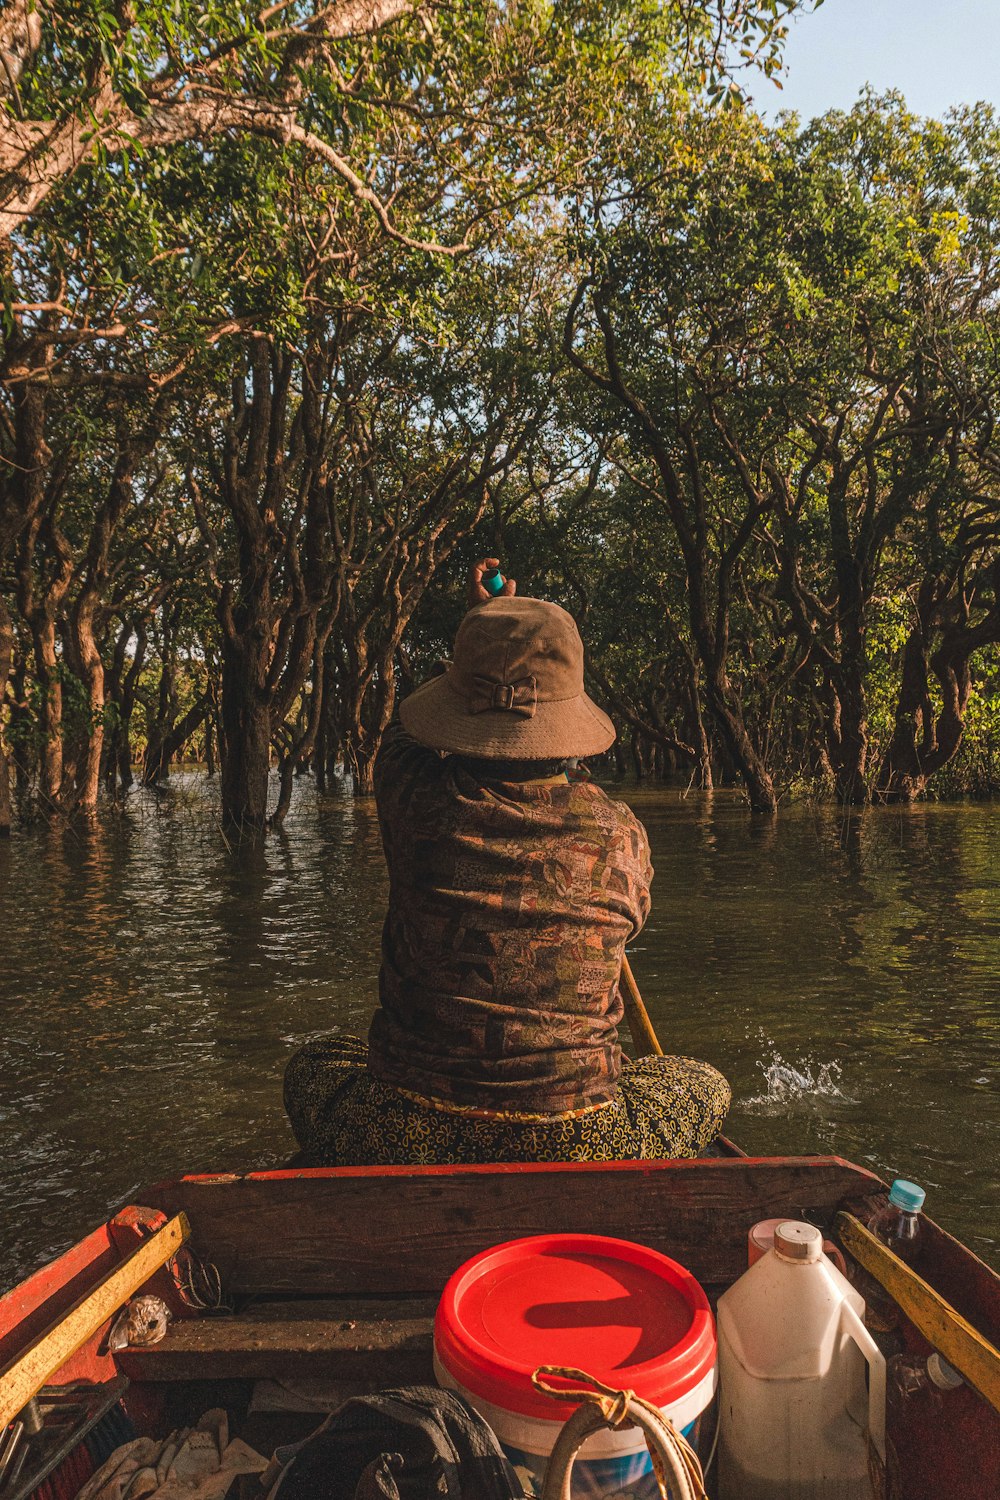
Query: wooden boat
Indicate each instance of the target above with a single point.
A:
(334, 1274)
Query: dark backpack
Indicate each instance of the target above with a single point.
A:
(417, 1443)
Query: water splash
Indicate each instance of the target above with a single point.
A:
(792, 1086)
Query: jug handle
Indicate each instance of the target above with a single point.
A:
(856, 1330)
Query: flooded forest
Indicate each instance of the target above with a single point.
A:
(305, 309)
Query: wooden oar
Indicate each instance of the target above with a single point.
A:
(963, 1346)
(644, 1038)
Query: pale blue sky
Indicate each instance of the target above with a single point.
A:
(937, 52)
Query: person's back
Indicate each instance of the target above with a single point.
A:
(511, 902)
(515, 884)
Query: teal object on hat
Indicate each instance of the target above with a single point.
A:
(907, 1196)
(493, 582)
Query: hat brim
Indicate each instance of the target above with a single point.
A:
(439, 717)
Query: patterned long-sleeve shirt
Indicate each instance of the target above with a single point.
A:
(509, 909)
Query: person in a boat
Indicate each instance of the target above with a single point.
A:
(515, 883)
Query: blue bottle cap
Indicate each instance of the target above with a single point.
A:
(493, 581)
(907, 1195)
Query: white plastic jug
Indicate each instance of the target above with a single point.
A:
(794, 1412)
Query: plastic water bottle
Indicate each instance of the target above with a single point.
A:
(898, 1224)
(795, 1416)
(924, 1395)
(910, 1378)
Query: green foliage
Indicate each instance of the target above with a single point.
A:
(760, 460)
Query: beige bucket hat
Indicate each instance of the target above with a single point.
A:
(514, 690)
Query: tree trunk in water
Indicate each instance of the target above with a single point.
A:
(112, 736)
(637, 761)
(362, 753)
(92, 670)
(20, 727)
(909, 766)
(124, 758)
(246, 724)
(851, 763)
(6, 653)
(320, 757)
(901, 775)
(5, 803)
(154, 766)
(752, 770)
(703, 749)
(951, 668)
(308, 731)
(50, 688)
(286, 777)
(822, 769)
(849, 748)
(362, 760)
(158, 759)
(724, 705)
(121, 684)
(210, 746)
(368, 710)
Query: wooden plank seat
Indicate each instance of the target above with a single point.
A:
(352, 1339)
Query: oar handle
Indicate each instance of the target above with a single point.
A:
(644, 1038)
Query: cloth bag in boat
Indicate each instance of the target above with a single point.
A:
(416, 1443)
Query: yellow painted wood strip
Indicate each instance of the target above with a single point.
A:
(25, 1376)
(963, 1346)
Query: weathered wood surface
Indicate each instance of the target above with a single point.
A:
(971, 1286)
(338, 1339)
(26, 1311)
(963, 1346)
(399, 1230)
(26, 1374)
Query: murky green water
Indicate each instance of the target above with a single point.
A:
(844, 975)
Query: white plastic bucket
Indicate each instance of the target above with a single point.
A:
(623, 1313)
(610, 1465)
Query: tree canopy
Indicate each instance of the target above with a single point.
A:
(305, 304)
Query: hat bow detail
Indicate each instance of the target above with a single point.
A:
(518, 697)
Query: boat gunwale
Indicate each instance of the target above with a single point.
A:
(641, 1167)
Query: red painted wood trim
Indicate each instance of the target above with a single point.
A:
(75, 1270)
(27, 1310)
(517, 1169)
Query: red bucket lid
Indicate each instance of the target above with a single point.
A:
(625, 1313)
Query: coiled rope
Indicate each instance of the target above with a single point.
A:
(676, 1466)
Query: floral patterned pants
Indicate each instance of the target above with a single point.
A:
(667, 1107)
